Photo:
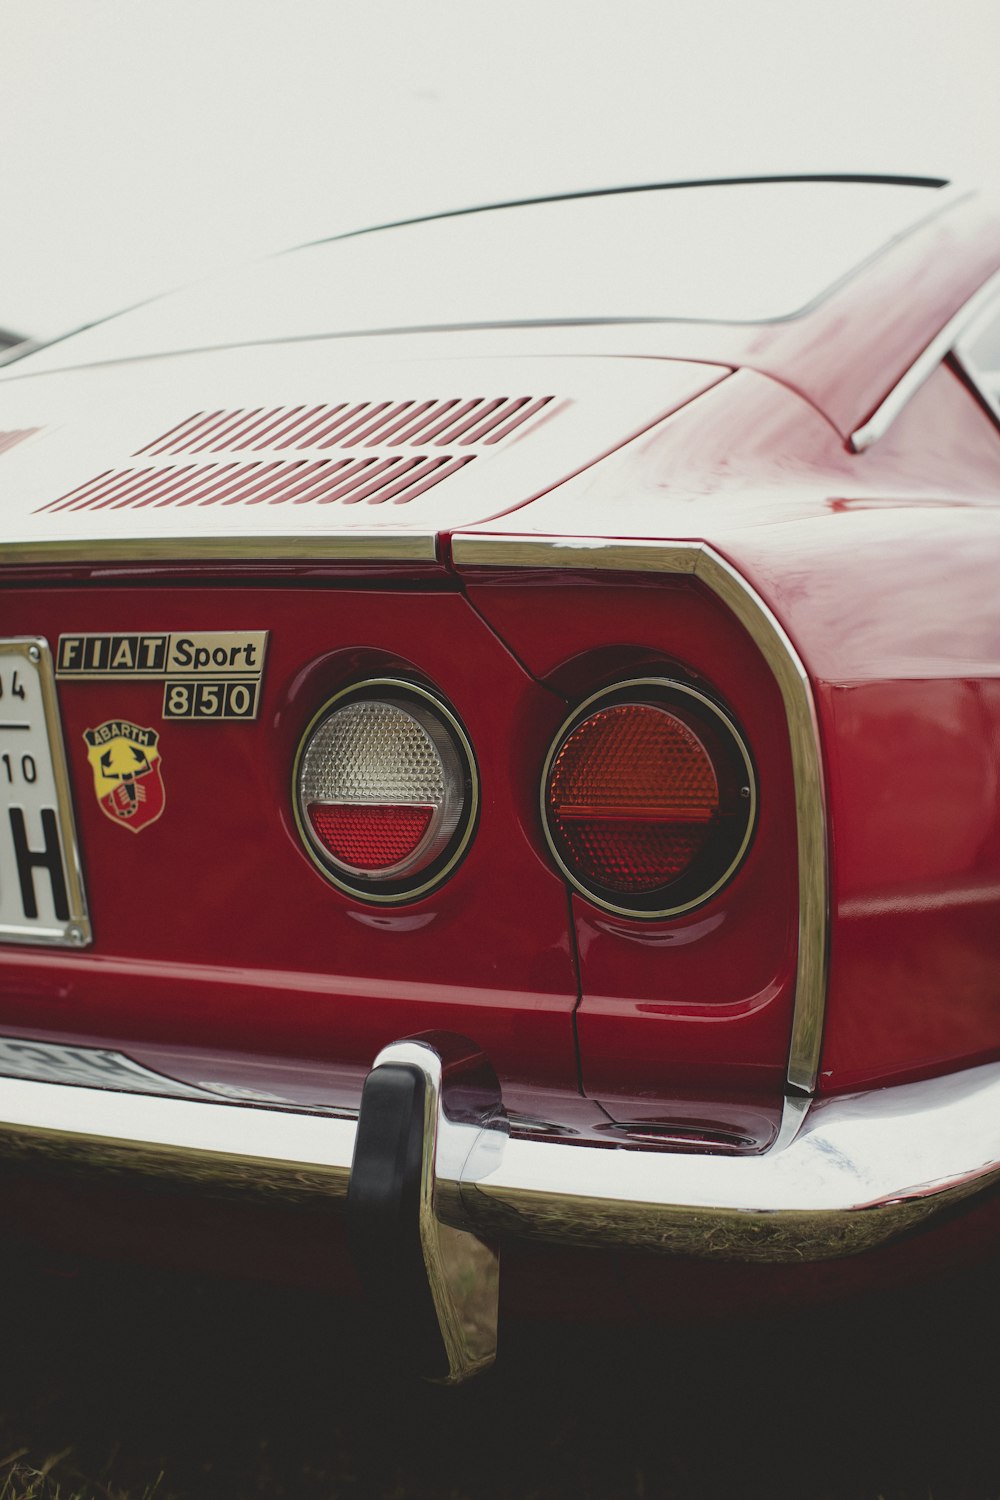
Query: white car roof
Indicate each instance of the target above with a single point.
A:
(721, 252)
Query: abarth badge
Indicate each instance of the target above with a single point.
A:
(128, 773)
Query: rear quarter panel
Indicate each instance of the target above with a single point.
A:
(882, 569)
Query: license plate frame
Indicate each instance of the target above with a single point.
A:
(40, 865)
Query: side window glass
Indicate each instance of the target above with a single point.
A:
(978, 349)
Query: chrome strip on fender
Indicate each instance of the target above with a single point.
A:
(923, 366)
(698, 560)
(810, 810)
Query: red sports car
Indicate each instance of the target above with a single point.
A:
(499, 743)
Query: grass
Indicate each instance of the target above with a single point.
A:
(121, 1385)
(22, 1482)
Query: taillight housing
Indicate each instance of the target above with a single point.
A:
(649, 798)
(385, 790)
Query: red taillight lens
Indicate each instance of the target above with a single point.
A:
(649, 798)
(370, 838)
(634, 796)
(386, 792)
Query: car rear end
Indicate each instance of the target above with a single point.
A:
(366, 853)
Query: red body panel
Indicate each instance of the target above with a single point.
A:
(899, 628)
(212, 927)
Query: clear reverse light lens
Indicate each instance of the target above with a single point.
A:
(382, 788)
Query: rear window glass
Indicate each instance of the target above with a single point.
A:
(733, 253)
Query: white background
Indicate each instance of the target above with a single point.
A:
(144, 143)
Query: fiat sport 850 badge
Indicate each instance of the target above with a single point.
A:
(206, 674)
(128, 778)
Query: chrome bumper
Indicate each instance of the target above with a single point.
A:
(846, 1173)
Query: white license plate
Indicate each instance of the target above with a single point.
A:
(41, 884)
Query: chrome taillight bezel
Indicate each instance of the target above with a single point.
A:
(450, 836)
(711, 871)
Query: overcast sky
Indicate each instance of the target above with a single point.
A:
(144, 143)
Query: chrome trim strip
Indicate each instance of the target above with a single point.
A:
(963, 348)
(923, 366)
(574, 552)
(810, 810)
(275, 1151)
(319, 547)
(699, 560)
(860, 1169)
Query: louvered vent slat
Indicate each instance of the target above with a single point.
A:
(115, 487)
(310, 488)
(372, 432)
(281, 433)
(179, 434)
(135, 495)
(261, 434)
(372, 478)
(277, 478)
(518, 420)
(457, 433)
(288, 430)
(246, 485)
(222, 431)
(315, 482)
(323, 438)
(484, 421)
(448, 466)
(314, 429)
(65, 502)
(396, 423)
(393, 434)
(416, 432)
(190, 486)
(245, 433)
(369, 480)
(431, 434)
(240, 487)
(345, 432)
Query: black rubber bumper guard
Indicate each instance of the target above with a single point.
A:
(425, 1109)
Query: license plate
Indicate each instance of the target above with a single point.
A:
(42, 898)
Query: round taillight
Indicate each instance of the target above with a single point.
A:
(386, 791)
(649, 798)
